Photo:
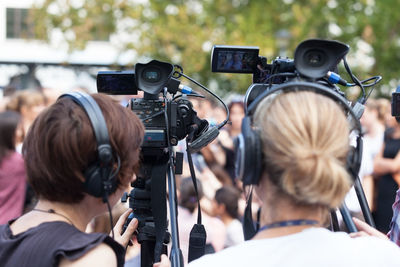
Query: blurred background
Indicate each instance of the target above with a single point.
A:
(63, 43)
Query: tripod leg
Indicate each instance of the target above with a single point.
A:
(347, 218)
(334, 221)
(147, 253)
(363, 202)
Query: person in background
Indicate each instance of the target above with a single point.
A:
(12, 169)
(58, 148)
(386, 168)
(187, 217)
(226, 208)
(28, 103)
(373, 125)
(226, 137)
(304, 176)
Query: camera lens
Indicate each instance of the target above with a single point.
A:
(315, 58)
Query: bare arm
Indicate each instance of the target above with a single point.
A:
(100, 256)
(366, 230)
(384, 165)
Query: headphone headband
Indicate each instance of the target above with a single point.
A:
(94, 113)
(307, 86)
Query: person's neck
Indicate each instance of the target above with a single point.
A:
(234, 132)
(226, 219)
(284, 210)
(77, 214)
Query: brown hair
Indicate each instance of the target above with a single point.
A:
(188, 198)
(61, 145)
(9, 121)
(229, 196)
(305, 139)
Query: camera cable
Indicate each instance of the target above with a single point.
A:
(222, 124)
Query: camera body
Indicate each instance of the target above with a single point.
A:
(166, 121)
(180, 114)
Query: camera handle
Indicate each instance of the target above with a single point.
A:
(176, 253)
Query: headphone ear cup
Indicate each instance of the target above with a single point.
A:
(248, 154)
(93, 181)
(96, 185)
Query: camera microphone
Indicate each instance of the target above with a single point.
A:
(204, 139)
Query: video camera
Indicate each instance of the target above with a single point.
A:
(166, 121)
(315, 60)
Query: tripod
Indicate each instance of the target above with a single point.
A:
(148, 202)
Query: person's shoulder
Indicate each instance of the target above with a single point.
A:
(377, 244)
(376, 251)
(214, 222)
(368, 249)
(238, 255)
(101, 255)
(13, 158)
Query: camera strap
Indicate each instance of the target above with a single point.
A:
(198, 235)
(249, 227)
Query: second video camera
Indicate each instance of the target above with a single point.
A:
(166, 120)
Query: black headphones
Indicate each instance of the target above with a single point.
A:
(99, 176)
(248, 146)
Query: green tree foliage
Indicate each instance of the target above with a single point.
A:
(183, 32)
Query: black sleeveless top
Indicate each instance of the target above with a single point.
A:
(386, 187)
(49, 242)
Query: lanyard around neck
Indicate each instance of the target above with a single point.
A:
(287, 224)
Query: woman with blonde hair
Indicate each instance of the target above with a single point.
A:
(304, 145)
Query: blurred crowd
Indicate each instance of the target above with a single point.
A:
(221, 195)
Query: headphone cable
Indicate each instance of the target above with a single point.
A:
(110, 213)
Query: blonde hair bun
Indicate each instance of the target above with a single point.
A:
(305, 143)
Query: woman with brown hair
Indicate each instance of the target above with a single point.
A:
(59, 150)
(304, 145)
